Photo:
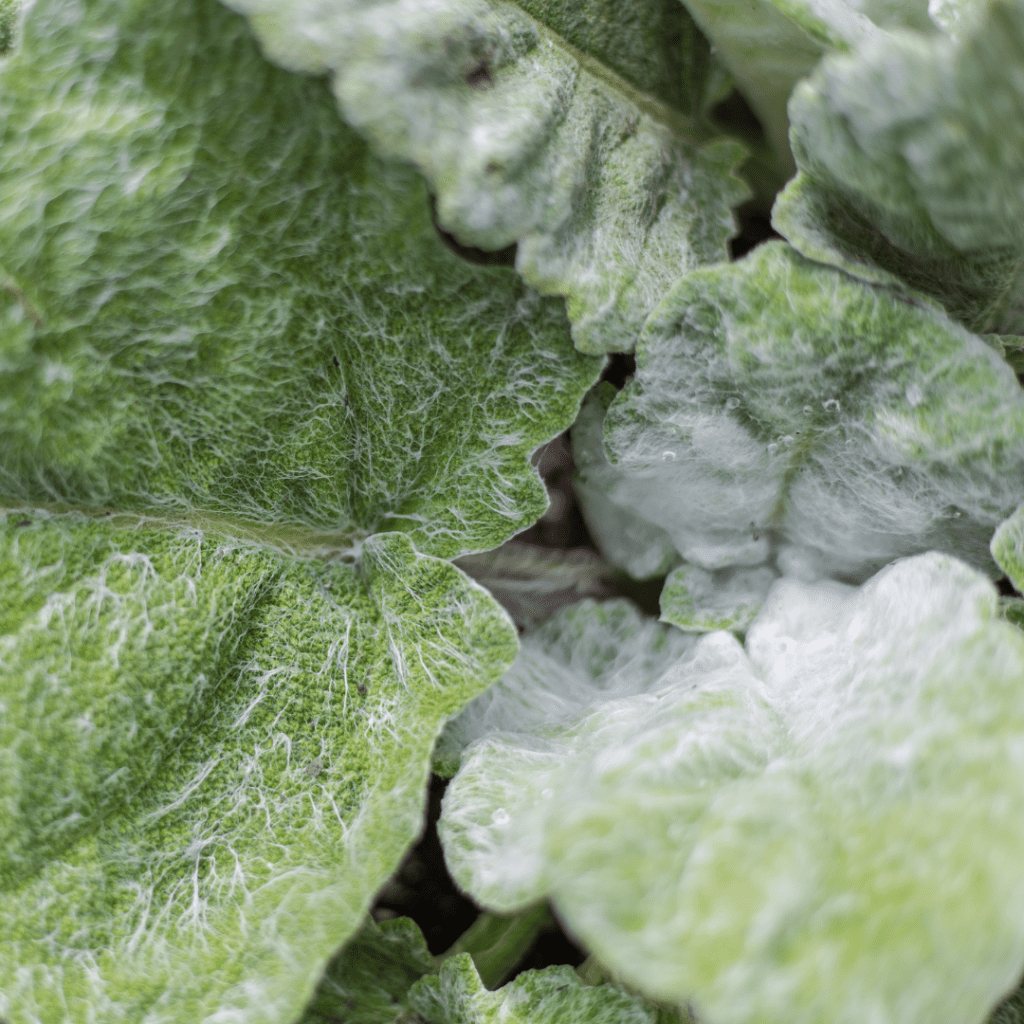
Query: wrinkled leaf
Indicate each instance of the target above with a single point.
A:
(782, 405)
(214, 755)
(700, 601)
(1008, 548)
(369, 981)
(607, 502)
(580, 660)
(568, 130)
(215, 299)
(911, 167)
(554, 995)
(824, 827)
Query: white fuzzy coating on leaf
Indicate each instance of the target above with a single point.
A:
(554, 995)
(524, 139)
(214, 298)
(827, 830)
(607, 502)
(215, 756)
(911, 172)
(697, 600)
(779, 404)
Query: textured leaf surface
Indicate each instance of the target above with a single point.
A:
(386, 976)
(554, 995)
(824, 827)
(214, 755)
(216, 299)
(780, 406)
(910, 152)
(700, 601)
(607, 502)
(369, 981)
(584, 658)
(582, 149)
(1008, 548)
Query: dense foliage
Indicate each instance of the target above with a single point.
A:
(607, 410)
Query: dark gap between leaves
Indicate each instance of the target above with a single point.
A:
(481, 257)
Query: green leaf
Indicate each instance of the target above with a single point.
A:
(582, 148)
(216, 299)
(580, 660)
(214, 755)
(551, 996)
(911, 170)
(1008, 548)
(607, 500)
(783, 410)
(700, 601)
(823, 827)
(386, 976)
(369, 981)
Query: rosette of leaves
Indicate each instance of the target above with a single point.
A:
(574, 131)
(821, 825)
(248, 396)
(387, 976)
(910, 164)
(783, 412)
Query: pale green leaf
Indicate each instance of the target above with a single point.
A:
(607, 501)
(568, 129)
(781, 407)
(910, 153)
(700, 601)
(214, 298)
(214, 755)
(554, 995)
(582, 659)
(1008, 548)
(822, 829)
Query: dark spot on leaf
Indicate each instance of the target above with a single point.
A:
(345, 400)
(480, 77)
(361, 688)
(24, 522)
(335, 360)
(493, 167)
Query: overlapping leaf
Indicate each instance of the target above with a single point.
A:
(581, 148)
(214, 755)
(386, 976)
(216, 299)
(911, 170)
(823, 827)
(783, 410)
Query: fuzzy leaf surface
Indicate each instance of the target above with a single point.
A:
(911, 170)
(214, 755)
(700, 601)
(783, 407)
(582, 148)
(820, 827)
(214, 298)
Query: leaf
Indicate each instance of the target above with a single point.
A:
(385, 976)
(584, 658)
(782, 409)
(217, 300)
(823, 827)
(911, 170)
(532, 582)
(1008, 548)
(368, 982)
(584, 150)
(554, 995)
(700, 601)
(607, 500)
(214, 755)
